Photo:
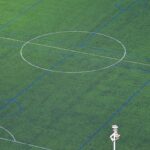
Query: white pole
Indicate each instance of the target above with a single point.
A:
(115, 136)
(114, 145)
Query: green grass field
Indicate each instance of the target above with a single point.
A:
(72, 86)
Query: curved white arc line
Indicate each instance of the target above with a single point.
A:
(71, 72)
(22, 143)
(7, 131)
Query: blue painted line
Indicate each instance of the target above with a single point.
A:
(6, 25)
(113, 115)
(27, 88)
(145, 71)
(118, 5)
(147, 59)
(37, 79)
(10, 101)
(107, 23)
(17, 112)
(20, 14)
(103, 25)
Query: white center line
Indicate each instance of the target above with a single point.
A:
(64, 49)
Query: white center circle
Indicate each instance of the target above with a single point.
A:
(72, 72)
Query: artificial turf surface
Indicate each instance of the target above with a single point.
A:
(61, 111)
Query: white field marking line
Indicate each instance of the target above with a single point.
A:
(74, 51)
(13, 140)
(74, 72)
(128, 61)
(64, 49)
(22, 143)
(7, 131)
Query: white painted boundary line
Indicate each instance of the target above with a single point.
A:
(13, 140)
(7, 131)
(22, 143)
(19, 142)
(127, 61)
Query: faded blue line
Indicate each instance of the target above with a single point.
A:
(17, 112)
(20, 14)
(108, 22)
(113, 115)
(30, 85)
(4, 26)
(118, 5)
(145, 71)
(39, 78)
(27, 88)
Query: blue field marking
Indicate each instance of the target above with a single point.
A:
(39, 78)
(28, 87)
(108, 22)
(6, 25)
(145, 71)
(113, 115)
(103, 25)
(147, 59)
(118, 5)
(20, 14)
(7, 105)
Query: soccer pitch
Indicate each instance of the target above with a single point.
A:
(69, 69)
